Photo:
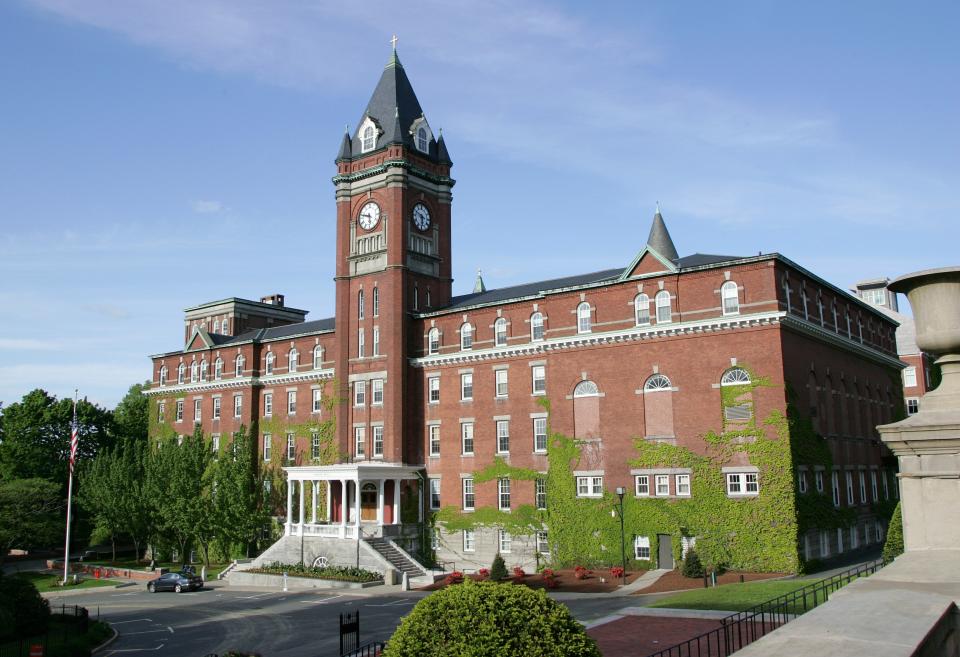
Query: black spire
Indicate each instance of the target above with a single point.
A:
(659, 238)
(346, 147)
(442, 154)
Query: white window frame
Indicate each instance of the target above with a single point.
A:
(543, 543)
(359, 393)
(584, 318)
(590, 486)
(501, 381)
(197, 410)
(237, 406)
(661, 484)
(203, 370)
(360, 442)
(682, 485)
(238, 364)
(317, 357)
(317, 400)
(540, 493)
(368, 138)
(267, 447)
(376, 340)
(912, 405)
(433, 341)
(818, 480)
(216, 408)
(851, 500)
(218, 369)
(376, 392)
(835, 487)
(466, 438)
(641, 548)
(503, 436)
(873, 485)
(423, 141)
(505, 542)
(663, 301)
(641, 309)
(739, 484)
(536, 327)
(863, 486)
(314, 445)
(376, 301)
(500, 332)
(641, 485)
(378, 441)
(268, 404)
(291, 447)
(910, 377)
(433, 439)
(466, 336)
(466, 386)
(361, 343)
(293, 360)
(360, 305)
(730, 298)
(469, 540)
(433, 390)
(468, 494)
(194, 372)
(802, 480)
(539, 422)
(179, 414)
(270, 358)
(162, 377)
(538, 374)
(434, 494)
(291, 402)
(503, 494)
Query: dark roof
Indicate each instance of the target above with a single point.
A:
(393, 107)
(701, 259)
(276, 332)
(659, 238)
(531, 289)
(346, 148)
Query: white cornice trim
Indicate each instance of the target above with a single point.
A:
(243, 382)
(815, 330)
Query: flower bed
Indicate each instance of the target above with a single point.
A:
(565, 580)
(337, 573)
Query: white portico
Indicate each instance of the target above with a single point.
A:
(362, 499)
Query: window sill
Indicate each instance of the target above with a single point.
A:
(740, 495)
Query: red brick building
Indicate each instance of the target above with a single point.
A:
(430, 387)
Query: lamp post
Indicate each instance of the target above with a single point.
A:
(623, 548)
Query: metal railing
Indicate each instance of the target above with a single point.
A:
(371, 649)
(69, 620)
(744, 627)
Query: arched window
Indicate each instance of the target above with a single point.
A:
(293, 359)
(218, 369)
(736, 376)
(216, 326)
(193, 372)
(317, 357)
(657, 383)
(422, 143)
(360, 304)
(641, 306)
(180, 373)
(433, 341)
(536, 326)
(163, 375)
(376, 302)
(466, 336)
(730, 298)
(203, 370)
(586, 389)
(429, 300)
(664, 312)
(500, 332)
(368, 140)
(239, 366)
(416, 297)
(270, 358)
(583, 318)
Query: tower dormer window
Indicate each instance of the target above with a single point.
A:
(421, 133)
(423, 143)
(369, 139)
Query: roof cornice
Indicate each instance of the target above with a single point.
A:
(242, 382)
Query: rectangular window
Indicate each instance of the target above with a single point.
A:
(835, 482)
(752, 483)
(854, 537)
(503, 494)
(291, 447)
(466, 387)
(376, 340)
(361, 343)
(468, 499)
(433, 341)
(359, 393)
(267, 404)
(540, 493)
(503, 436)
(802, 481)
(839, 540)
(315, 446)
(683, 485)
(873, 485)
(377, 441)
(317, 400)
(376, 302)
(913, 405)
(910, 377)
(539, 434)
(818, 480)
(662, 484)
(539, 373)
(161, 409)
(434, 494)
(742, 483)
(501, 376)
(215, 440)
(237, 405)
(197, 410)
(292, 402)
(886, 486)
(469, 540)
(377, 392)
(589, 486)
(877, 531)
(434, 430)
(863, 487)
(543, 545)
(216, 408)
(850, 500)
(179, 410)
(267, 446)
(643, 485)
(641, 547)
(466, 438)
(824, 543)
(360, 441)
(506, 542)
(433, 384)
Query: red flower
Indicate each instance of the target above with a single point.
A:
(548, 572)
(518, 572)
(484, 573)
(616, 571)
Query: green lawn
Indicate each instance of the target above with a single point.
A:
(45, 582)
(732, 597)
(212, 571)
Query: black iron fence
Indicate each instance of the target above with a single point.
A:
(66, 622)
(744, 627)
(372, 649)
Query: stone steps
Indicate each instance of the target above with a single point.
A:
(397, 559)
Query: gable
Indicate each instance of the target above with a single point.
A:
(199, 340)
(648, 262)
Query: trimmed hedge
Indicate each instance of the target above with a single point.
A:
(486, 619)
(893, 548)
(339, 573)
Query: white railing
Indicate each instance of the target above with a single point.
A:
(331, 531)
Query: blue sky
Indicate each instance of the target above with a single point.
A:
(159, 154)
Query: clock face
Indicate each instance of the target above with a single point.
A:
(369, 215)
(421, 216)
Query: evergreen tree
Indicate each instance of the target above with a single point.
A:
(498, 570)
(893, 547)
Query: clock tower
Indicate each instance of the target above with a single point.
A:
(393, 195)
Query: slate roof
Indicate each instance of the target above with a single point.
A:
(659, 238)
(532, 289)
(701, 259)
(275, 332)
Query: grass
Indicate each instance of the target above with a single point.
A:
(132, 564)
(46, 582)
(732, 597)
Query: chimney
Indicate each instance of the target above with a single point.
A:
(273, 300)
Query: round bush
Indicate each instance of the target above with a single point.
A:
(485, 619)
(23, 611)
(691, 565)
(498, 570)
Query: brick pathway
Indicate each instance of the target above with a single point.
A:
(639, 636)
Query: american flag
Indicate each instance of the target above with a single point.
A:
(74, 438)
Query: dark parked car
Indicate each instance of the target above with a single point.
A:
(175, 582)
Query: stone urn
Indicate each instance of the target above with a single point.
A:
(927, 444)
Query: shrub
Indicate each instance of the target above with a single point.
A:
(23, 611)
(518, 572)
(482, 618)
(498, 571)
(691, 565)
(550, 580)
(548, 572)
(893, 548)
(339, 573)
(484, 573)
(456, 577)
(616, 572)
(581, 572)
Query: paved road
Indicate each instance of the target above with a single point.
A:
(275, 624)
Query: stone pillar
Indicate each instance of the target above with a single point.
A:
(380, 498)
(396, 501)
(356, 504)
(315, 486)
(329, 500)
(289, 503)
(343, 502)
(419, 501)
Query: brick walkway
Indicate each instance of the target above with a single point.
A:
(639, 636)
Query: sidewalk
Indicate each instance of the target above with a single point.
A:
(639, 631)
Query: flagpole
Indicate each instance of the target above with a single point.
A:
(74, 437)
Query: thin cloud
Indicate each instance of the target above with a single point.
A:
(207, 207)
(29, 344)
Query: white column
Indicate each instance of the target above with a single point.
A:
(313, 502)
(289, 503)
(380, 499)
(356, 504)
(343, 508)
(396, 501)
(302, 500)
(419, 501)
(329, 500)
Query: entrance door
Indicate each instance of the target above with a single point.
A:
(664, 551)
(368, 503)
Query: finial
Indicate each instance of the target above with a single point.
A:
(658, 207)
(393, 42)
(346, 128)
(441, 132)
(396, 111)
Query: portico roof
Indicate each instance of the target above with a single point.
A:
(353, 471)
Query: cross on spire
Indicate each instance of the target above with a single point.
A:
(393, 42)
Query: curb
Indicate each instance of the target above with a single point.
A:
(68, 592)
(107, 642)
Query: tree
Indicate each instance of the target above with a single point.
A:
(131, 417)
(893, 547)
(23, 611)
(35, 436)
(103, 485)
(486, 619)
(30, 514)
(498, 570)
(238, 504)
